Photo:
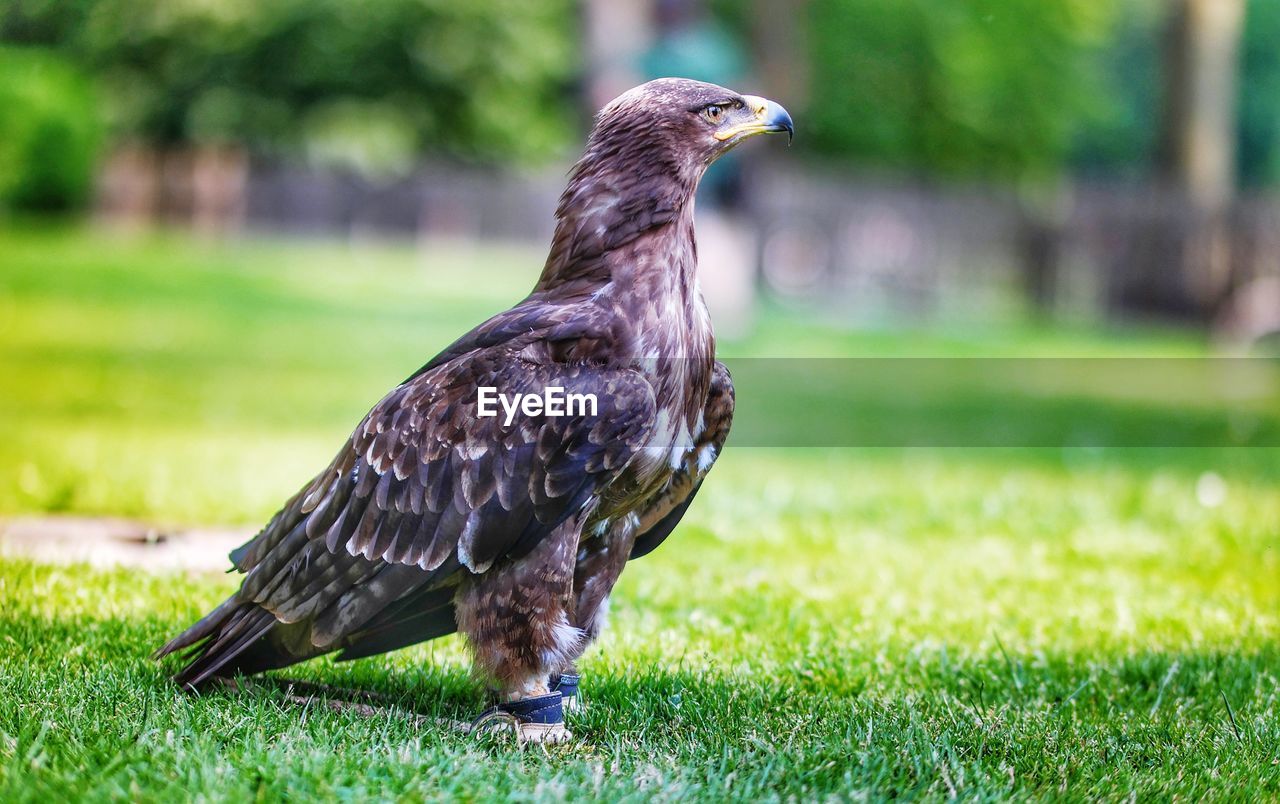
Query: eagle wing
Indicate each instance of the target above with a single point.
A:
(425, 478)
(602, 559)
(424, 488)
(659, 517)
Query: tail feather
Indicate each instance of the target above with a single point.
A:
(202, 630)
(216, 643)
(223, 652)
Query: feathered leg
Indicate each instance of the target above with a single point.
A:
(599, 564)
(516, 619)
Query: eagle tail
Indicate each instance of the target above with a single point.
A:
(233, 638)
(200, 631)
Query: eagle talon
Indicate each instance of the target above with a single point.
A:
(534, 720)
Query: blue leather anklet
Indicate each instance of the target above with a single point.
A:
(565, 683)
(545, 709)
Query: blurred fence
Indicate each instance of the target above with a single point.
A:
(438, 199)
(223, 190)
(868, 250)
(1092, 250)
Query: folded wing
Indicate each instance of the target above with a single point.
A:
(425, 489)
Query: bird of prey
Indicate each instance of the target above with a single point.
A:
(513, 528)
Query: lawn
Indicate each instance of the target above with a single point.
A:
(977, 620)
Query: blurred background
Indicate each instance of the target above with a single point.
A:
(210, 210)
(1075, 159)
(998, 515)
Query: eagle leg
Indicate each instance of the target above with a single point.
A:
(516, 621)
(599, 563)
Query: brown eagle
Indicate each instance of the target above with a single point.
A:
(513, 528)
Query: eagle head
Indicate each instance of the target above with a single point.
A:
(685, 121)
(641, 167)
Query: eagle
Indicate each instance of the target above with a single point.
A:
(437, 516)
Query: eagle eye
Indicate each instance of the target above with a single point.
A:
(714, 112)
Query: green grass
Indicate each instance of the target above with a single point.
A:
(922, 623)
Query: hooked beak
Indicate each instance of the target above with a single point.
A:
(767, 118)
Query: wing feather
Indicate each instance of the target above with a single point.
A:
(478, 463)
(659, 518)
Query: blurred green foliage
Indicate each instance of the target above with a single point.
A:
(484, 78)
(49, 131)
(1259, 154)
(1125, 138)
(986, 87)
(999, 89)
(1008, 88)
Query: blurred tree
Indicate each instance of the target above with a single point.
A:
(1192, 244)
(49, 131)
(990, 88)
(1125, 139)
(483, 79)
(1202, 48)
